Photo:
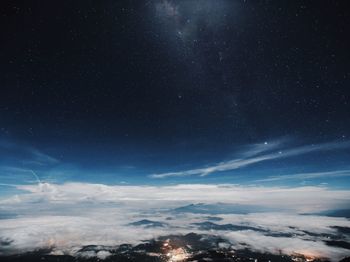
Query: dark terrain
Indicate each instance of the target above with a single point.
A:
(196, 247)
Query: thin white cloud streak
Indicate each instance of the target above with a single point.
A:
(303, 176)
(8, 185)
(18, 162)
(257, 154)
(17, 176)
(42, 158)
(28, 155)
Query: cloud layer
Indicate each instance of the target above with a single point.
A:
(68, 216)
(298, 199)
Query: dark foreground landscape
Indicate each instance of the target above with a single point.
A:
(191, 247)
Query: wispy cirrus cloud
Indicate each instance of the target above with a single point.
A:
(25, 154)
(257, 153)
(303, 176)
(17, 162)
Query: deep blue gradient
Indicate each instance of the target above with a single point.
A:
(118, 92)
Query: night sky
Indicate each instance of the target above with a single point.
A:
(166, 91)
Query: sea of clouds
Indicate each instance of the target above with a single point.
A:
(66, 217)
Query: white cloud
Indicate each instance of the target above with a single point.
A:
(26, 154)
(285, 245)
(301, 199)
(68, 216)
(302, 176)
(256, 154)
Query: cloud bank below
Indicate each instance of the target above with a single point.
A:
(66, 217)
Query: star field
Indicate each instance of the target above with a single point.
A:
(172, 78)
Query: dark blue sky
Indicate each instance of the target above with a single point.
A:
(114, 91)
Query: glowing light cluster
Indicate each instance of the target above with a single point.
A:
(174, 254)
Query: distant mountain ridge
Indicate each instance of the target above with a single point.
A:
(148, 223)
(221, 208)
(213, 226)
